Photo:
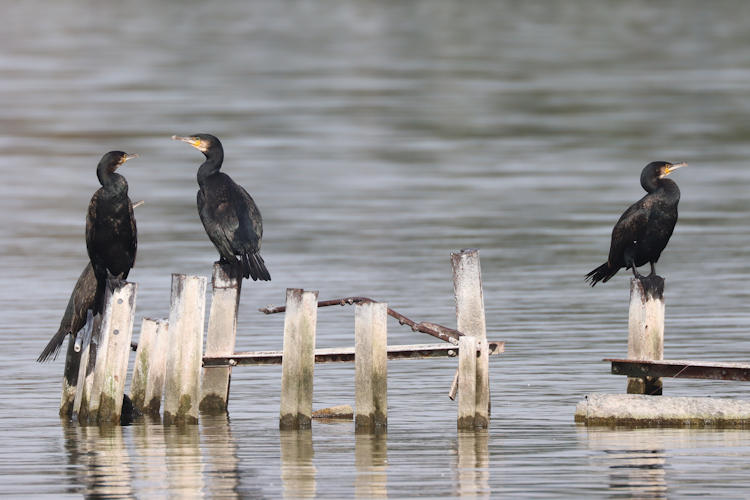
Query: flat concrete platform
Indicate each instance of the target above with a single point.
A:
(635, 410)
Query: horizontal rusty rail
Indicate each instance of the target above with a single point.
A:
(438, 331)
(345, 354)
(681, 369)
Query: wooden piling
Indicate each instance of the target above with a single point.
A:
(467, 382)
(220, 340)
(86, 366)
(371, 366)
(70, 378)
(646, 329)
(147, 385)
(467, 287)
(185, 349)
(298, 362)
(110, 372)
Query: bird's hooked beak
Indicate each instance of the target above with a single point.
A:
(193, 141)
(127, 157)
(673, 167)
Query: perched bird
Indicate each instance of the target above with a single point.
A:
(111, 235)
(229, 215)
(645, 228)
(74, 318)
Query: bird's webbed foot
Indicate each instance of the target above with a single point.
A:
(114, 282)
(230, 267)
(636, 273)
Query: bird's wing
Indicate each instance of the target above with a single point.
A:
(218, 223)
(629, 229)
(90, 223)
(250, 223)
(133, 233)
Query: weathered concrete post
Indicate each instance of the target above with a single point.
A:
(147, 385)
(371, 366)
(70, 378)
(467, 382)
(220, 339)
(467, 287)
(298, 359)
(110, 372)
(185, 350)
(646, 329)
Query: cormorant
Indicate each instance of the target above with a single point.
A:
(74, 318)
(111, 235)
(645, 228)
(229, 215)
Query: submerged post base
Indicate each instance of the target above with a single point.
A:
(635, 410)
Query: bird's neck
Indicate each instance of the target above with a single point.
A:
(670, 188)
(210, 166)
(113, 182)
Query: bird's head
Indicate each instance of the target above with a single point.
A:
(657, 170)
(111, 161)
(205, 143)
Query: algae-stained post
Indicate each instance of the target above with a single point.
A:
(470, 319)
(371, 365)
(220, 340)
(298, 359)
(646, 329)
(185, 349)
(147, 385)
(467, 382)
(110, 371)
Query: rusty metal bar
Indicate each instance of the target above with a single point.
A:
(681, 369)
(345, 354)
(438, 331)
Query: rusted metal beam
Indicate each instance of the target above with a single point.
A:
(345, 354)
(681, 369)
(438, 331)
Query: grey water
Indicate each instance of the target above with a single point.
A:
(377, 138)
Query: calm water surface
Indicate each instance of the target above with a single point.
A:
(378, 137)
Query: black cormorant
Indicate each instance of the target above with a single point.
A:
(645, 228)
(229, 215)
(75, 315)
(74, 318)
(111, 236)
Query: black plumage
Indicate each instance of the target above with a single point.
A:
(111, 234)
(229, 215)
(642, 232)
(74, 318)
(75, 315)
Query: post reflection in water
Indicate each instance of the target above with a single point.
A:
(183, 457)
(635, 458)
(105, 464)
(180, 460)
(472, 464)
(221, 457)
(297, 469)
(149, 460)
(371, 460)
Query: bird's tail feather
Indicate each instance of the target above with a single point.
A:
(254, 267)
(53, 346)
(602, 273)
